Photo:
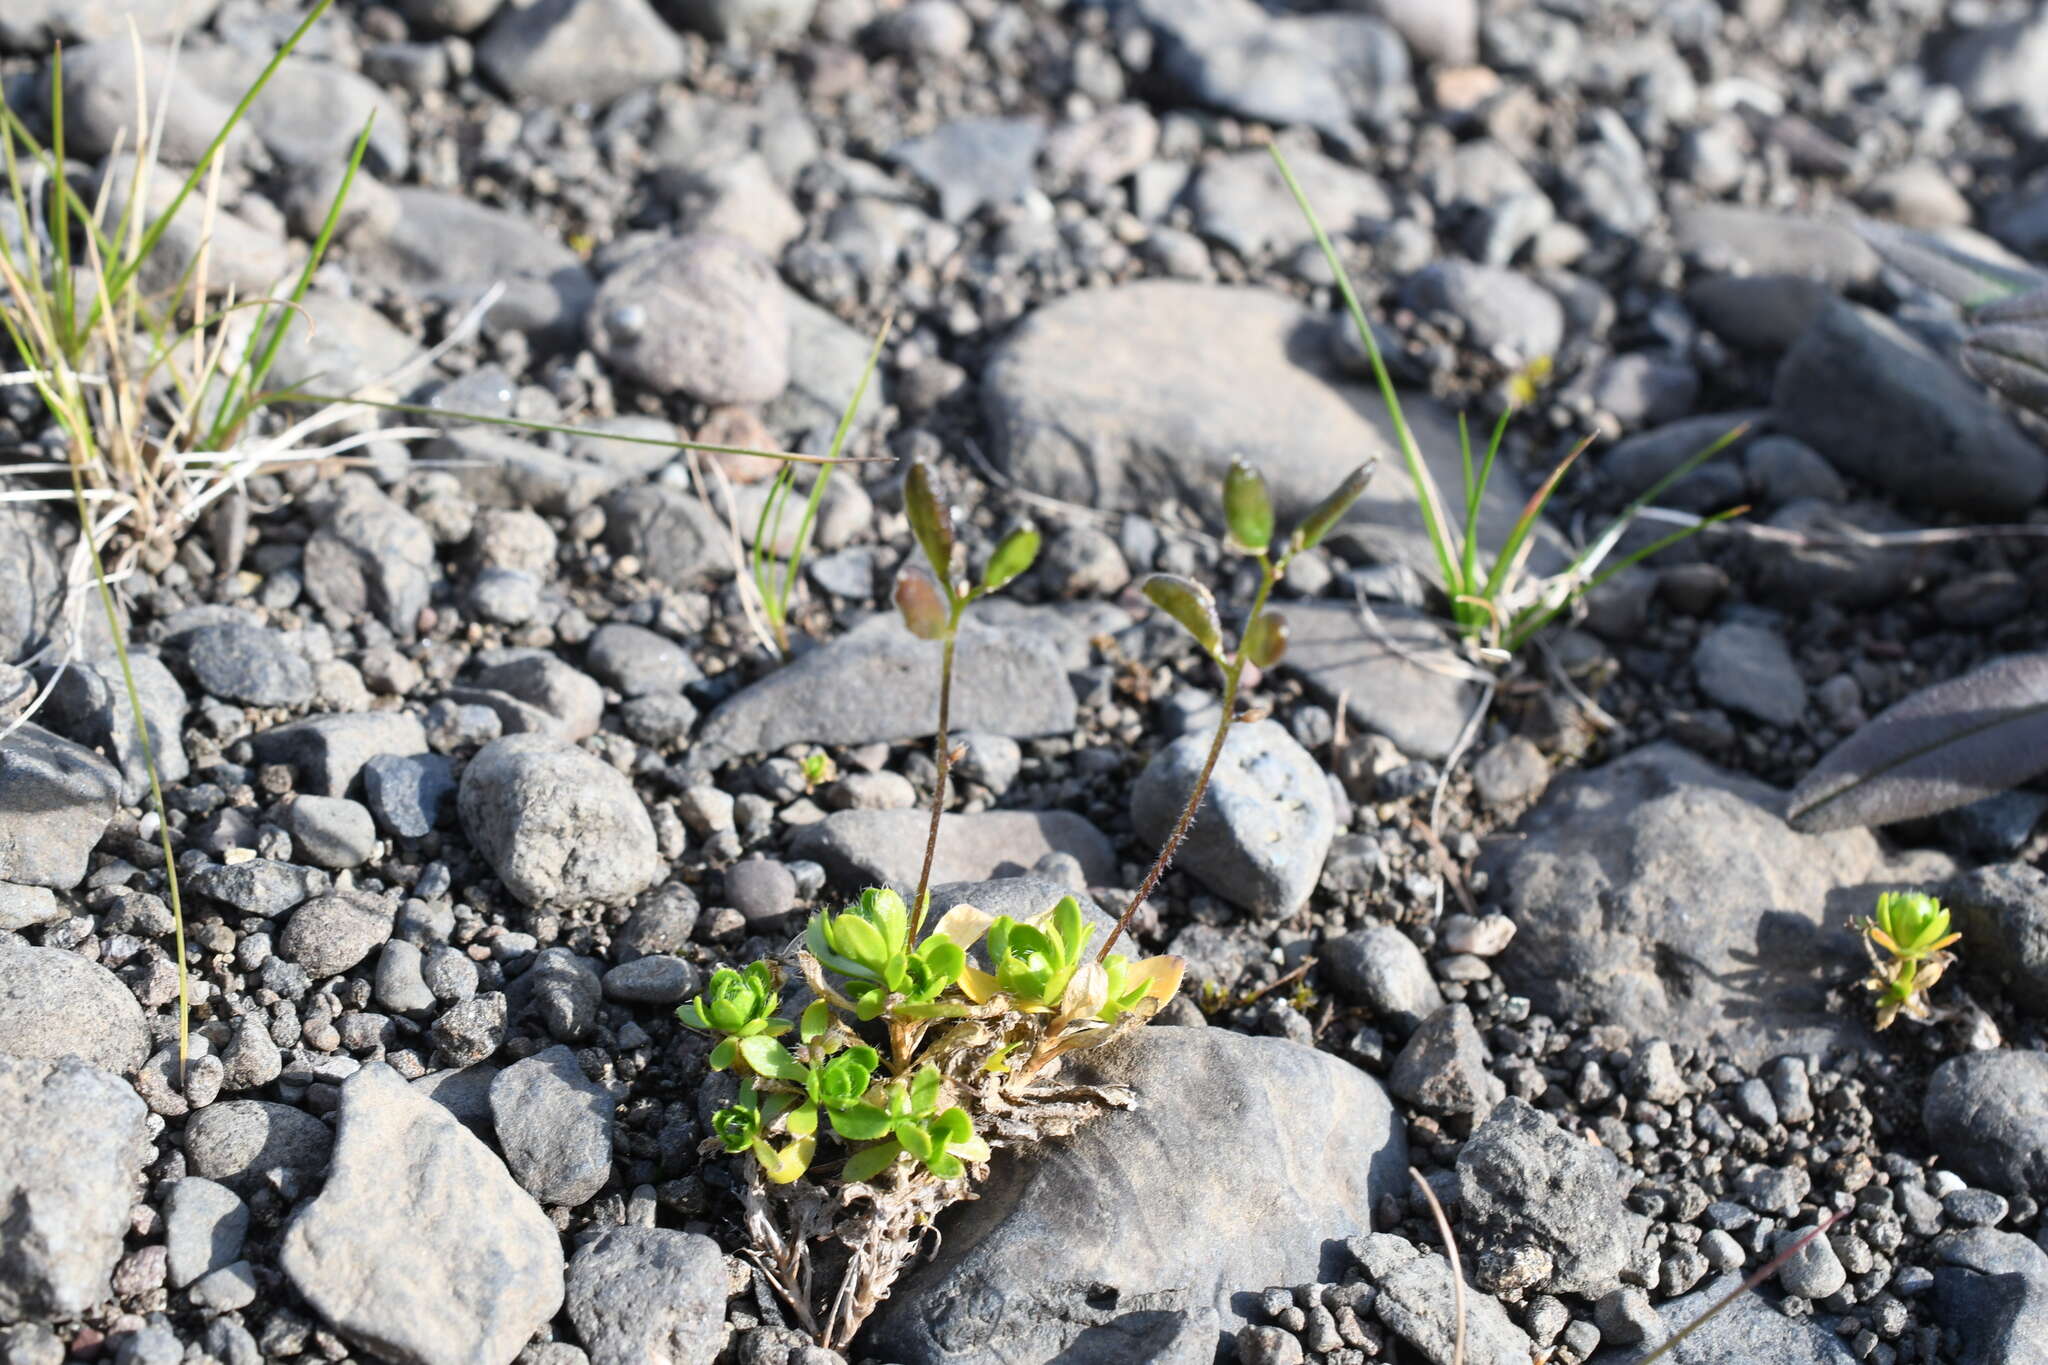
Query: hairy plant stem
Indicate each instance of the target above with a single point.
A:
(944, 760)
(1233, 674)
(156, 791)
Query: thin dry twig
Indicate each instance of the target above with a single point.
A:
(1443, 1227)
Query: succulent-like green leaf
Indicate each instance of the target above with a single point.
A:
(1327, 513)
(770, 1058)
(859, 1122)
(803, 1120)
(923, 609)
(1265, 640)
(1247, 508)
(722, 1055)
(1017, 552)
(870, 1162)
(924, 1090)
(1945, 746)
(817, 1017)
(1190, 604)
(930, 522)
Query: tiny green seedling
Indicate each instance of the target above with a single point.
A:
(1907, 940)
(818, 769)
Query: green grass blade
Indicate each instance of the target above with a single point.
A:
(119, 280)
(1516, 549)
(767, 530)
(1427, 497)
(246, 384)
(1536, 618)
(817, 498)
(1604, 543)
(65, 300)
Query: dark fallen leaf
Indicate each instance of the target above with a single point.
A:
(1945, 746)
(1933, 264)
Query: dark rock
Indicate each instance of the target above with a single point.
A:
(637, 661)
(1883, 408)
(331, 934)
(370, 555)
(572, 700)
(1160, 1272)
(1748, 668)
(406, 792)
(569, 51)
(333, 831)
(701, 315)
(478, 1266)
(1418, 1302)
(973, 162)
(1504, 312)
(1751, 1329)
(1381, 674)
(677, 541)
(1991, 1288)
(1728, 240)
(1380, 967)
(240, 1142)
(760, 889)
(257, 886)
(1443, 1067)
(547, 288)
(327, 752)
(1523, 1180)
(2002, 913)
(89, 704)
(658, 979)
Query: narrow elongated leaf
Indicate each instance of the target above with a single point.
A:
(930, 522)
(1945, 746)
(1952, 273)
(1017, 553)
(1331, 509)
(1189, 603)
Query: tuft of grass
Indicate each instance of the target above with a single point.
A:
(1499, 606)
(774, 580)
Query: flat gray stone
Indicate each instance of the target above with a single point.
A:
(701, 315)
(1752, 1329)
(1749, 669)
(75, 1138)
(327, 753)
(1382, 675)
(555, 1127)
(1109, 398)
(55, 1004)
(239, 1142)
(548, 289)
(569, 51)
(878, 682)
(1989, 1111)
(204, 1226)
(330, 934)
(89, 704)
(861, 848)
(370, 555)
(420, 1246)
(1525, 1181)
(677, 540)
(973, 162)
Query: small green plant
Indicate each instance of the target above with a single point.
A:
(818, 769)
(1907, 941)
(1498, 608)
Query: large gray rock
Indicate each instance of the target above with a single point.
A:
(1108, 398)
(1380, 967)
(1729, 240)
(1382, 672)
(1998, 68)
(1748, 668)
(1241, 201)
(55, 1003)
(1991, 1289)
(1989, 1113)
(1418, 1302)
(56, 798)
(648, 1295)
(1882, 407)
(861, 848)
(878, 682)
(311, 112)
(558, 825)
(1265, 822)
(1198, 1219)
(250, 664)
(555, 1126)
(973, 162)
(1663, 894)
(547, 288)
(1752, 1329)
(330, 934)
(370, 555)
(420, 1246)
(571, 51)
(75, 1139)
(1524, 1181)
(204, 1225)
(1331, 71)
(702, 315)
(2002, 913)
(1504, 312)
(327, 753)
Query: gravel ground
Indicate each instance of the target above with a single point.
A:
(476, 767)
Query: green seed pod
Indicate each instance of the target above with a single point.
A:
(1327, 512)
(1265, 641)
(1247, 510)
(930, 522)
(1017, 553)
(1190, 604)
(924, 611)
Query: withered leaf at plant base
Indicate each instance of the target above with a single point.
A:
(1189, 603)
(930, 522)
(924, 611)
(1945, 746)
